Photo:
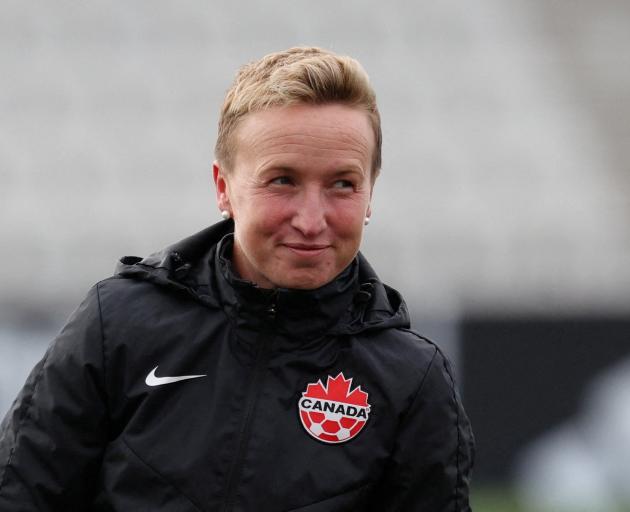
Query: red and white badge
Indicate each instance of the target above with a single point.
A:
(333, 413)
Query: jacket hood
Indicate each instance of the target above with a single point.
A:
(200, 267)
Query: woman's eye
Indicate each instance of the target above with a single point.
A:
(343, 184)
(281, 180)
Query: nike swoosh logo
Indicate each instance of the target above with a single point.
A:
(152, 380)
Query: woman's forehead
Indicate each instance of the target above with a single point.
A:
(324, 131)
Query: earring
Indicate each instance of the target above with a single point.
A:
(366, 221)
(225, 214)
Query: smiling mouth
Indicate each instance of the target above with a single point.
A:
(307, 249)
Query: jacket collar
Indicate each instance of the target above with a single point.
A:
(200, 267)
(303, 314)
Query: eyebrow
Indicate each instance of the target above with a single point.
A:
(350, 170)
(344, 169)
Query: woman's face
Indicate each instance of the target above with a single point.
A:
(299, 192)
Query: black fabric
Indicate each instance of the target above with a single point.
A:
(87, 432)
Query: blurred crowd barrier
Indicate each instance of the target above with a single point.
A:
(549, 398)
(584, 464)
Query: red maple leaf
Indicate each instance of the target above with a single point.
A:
(338, 390)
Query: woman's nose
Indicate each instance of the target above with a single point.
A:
(310, 213)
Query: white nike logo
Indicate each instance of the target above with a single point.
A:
(152, 380)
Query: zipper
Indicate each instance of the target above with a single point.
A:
(253, 393)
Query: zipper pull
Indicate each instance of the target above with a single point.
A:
(272, 307)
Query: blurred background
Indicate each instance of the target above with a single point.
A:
(502, 211)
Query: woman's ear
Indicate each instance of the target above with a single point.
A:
(221, 185)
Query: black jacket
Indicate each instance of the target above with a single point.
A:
(290, 400)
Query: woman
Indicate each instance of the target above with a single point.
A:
(259, 365)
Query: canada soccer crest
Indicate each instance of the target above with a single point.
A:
(333, 413)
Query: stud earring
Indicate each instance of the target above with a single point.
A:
(225, 215)
(366, 221)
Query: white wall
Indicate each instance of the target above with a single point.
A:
(500, 189)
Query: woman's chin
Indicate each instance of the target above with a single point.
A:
(302, 279)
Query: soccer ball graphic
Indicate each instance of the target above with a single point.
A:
(332, 413)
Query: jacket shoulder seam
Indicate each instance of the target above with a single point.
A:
(453, 400)
(419, 336)
(22, 419)
(103, 351)
(424, 377)
(459, 481)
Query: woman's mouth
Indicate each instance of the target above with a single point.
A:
(302, 249)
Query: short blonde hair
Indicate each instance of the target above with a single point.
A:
(298, 75)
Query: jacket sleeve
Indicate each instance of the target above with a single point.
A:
(53, 437)
(430, 466)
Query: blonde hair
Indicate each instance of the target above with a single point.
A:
(298, 75)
